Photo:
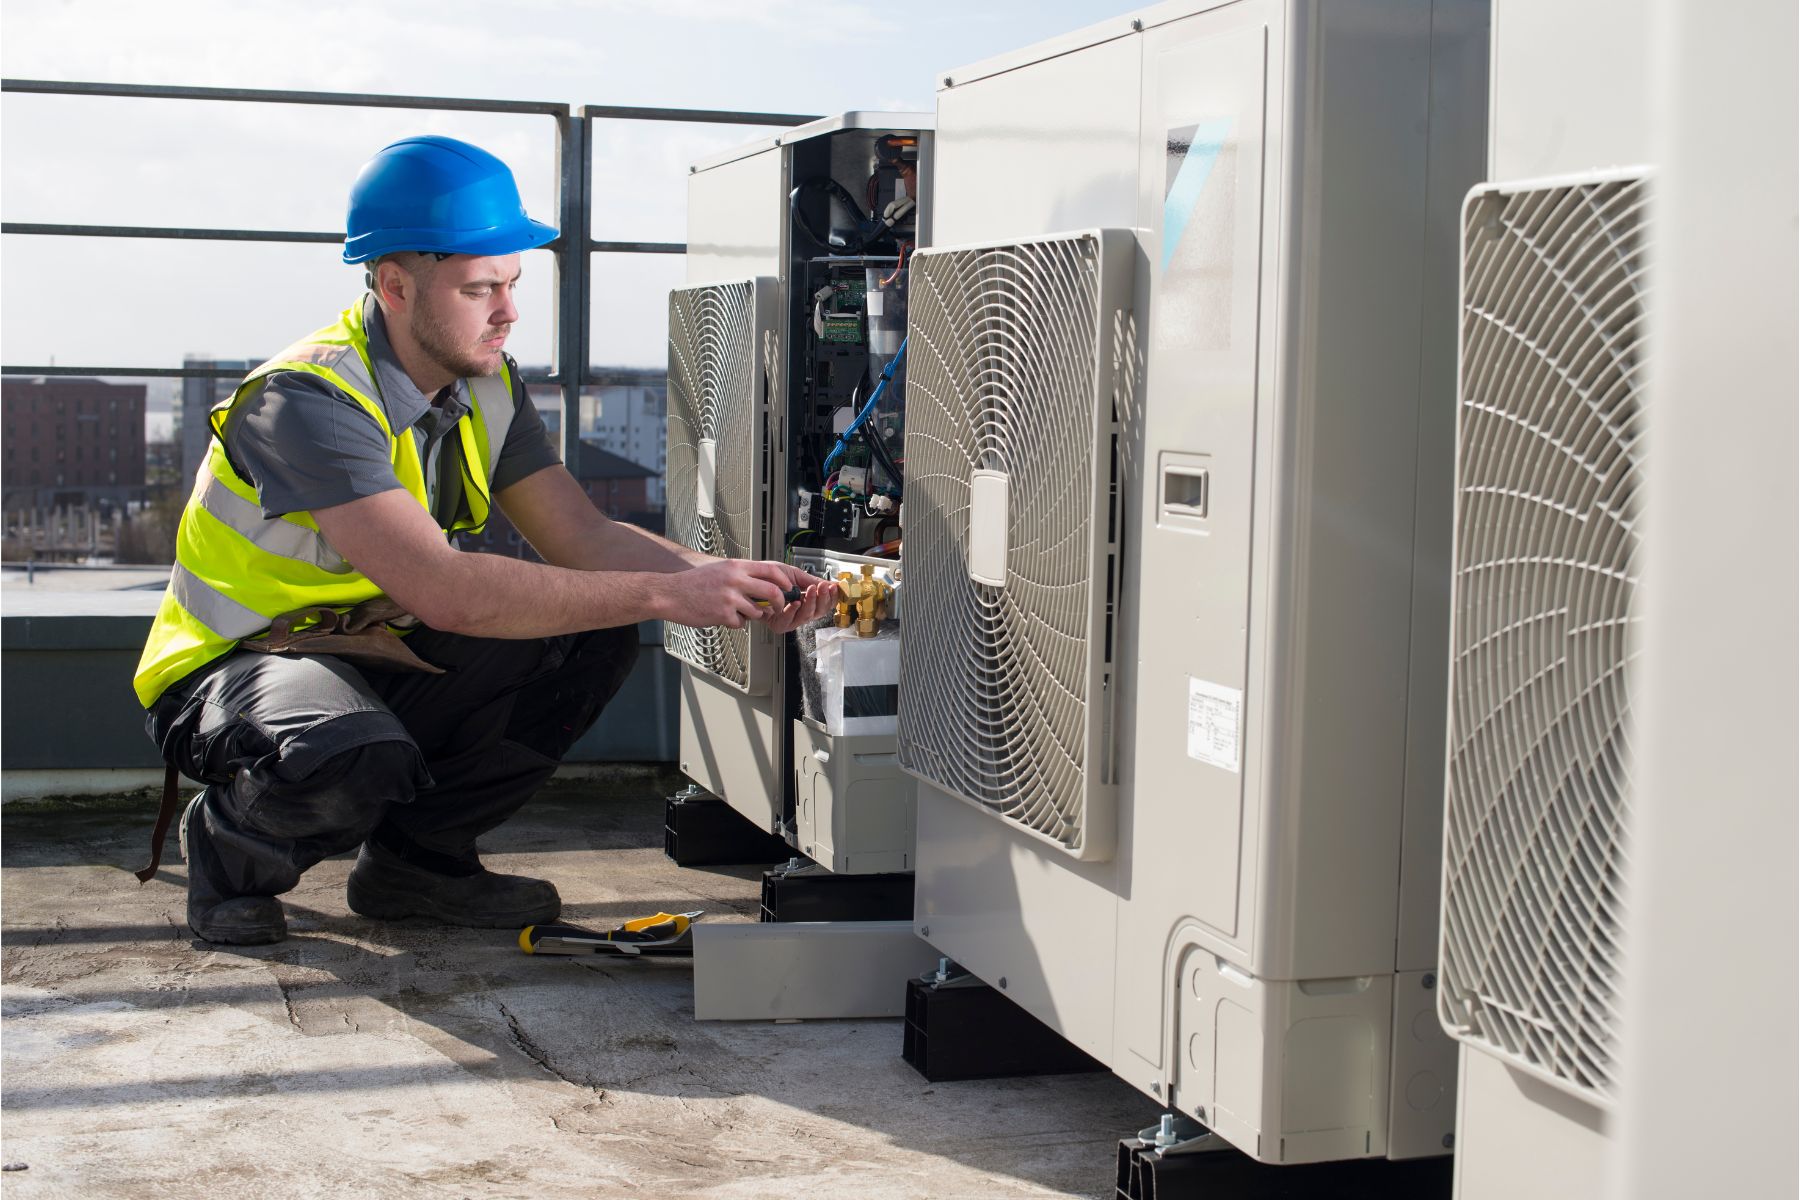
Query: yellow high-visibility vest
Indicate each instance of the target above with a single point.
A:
(236, 570)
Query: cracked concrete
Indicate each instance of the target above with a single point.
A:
(405, 1060)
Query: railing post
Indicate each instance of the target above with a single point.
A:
(572, 271)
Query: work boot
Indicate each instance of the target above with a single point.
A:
(387, 887)
(225, 920)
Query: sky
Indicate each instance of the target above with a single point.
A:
(80, 160)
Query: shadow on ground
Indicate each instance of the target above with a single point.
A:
(412, 1057)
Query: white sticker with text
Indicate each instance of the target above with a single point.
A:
(1215, 717)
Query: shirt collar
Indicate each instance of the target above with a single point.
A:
(404, 402)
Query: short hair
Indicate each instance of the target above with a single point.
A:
(418, 263)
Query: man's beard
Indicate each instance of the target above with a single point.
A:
(439, 343)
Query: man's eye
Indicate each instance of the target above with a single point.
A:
(477, 293)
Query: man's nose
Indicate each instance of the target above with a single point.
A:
(507, 313)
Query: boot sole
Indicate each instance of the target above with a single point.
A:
(248, 937)
(419, 906)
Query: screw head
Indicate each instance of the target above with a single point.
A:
(949, 82)
(1449, 1141)
(1156, 1087)
(1137, 26)
(924, 931)
(1430, 981)
(1003, 983)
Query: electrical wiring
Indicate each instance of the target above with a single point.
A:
(887, 377)
(878, 447)
(899, 266)
(818, 318)
(866, 225)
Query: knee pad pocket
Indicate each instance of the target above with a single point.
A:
(345, 793)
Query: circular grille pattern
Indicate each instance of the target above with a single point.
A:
(1003, 363)
(1546, 566)
(712, 381)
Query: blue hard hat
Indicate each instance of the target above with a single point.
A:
(437, 194)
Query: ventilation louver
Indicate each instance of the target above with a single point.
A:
(1011, 528)
(715, 470)
(1546, 564)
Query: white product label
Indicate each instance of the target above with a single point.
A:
(873, 302)
(1215, 716)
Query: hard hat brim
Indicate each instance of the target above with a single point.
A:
(478, 243)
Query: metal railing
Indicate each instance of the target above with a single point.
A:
(573, 249)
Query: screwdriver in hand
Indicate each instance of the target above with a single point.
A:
(790, 595)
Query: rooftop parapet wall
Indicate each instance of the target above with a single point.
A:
(66, 660)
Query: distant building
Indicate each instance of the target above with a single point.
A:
(614, 484)
(72, 442)
(631, 420)
(198, 395)
(626, 413)
(550, 411)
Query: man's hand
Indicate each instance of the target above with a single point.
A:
(820, 595)
(726, 592)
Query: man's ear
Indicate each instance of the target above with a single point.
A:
(389, 282)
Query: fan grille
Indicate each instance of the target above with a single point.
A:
(1546, 566)
(1010, 369)
(712, 397)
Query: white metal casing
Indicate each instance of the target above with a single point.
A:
(734, 744)
(1570, 103)
(1710, 955)
(729, 740)
(1703, 991)
(854, 809)
(1240, 955)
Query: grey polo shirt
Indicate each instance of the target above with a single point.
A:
(304, 444)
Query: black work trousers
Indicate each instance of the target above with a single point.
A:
(306, 756)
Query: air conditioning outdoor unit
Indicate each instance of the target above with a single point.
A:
(1180, 429)
(798, 247)
(1557, 291)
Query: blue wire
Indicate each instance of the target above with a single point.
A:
(843, 442)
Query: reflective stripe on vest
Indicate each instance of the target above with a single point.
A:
(236, 570)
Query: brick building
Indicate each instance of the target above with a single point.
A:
(71, 443)
(616, 486)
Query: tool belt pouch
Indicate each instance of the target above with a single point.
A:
(361, 637)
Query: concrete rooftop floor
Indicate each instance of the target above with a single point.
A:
(361, 1058)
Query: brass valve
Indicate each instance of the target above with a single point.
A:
(867, 597)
